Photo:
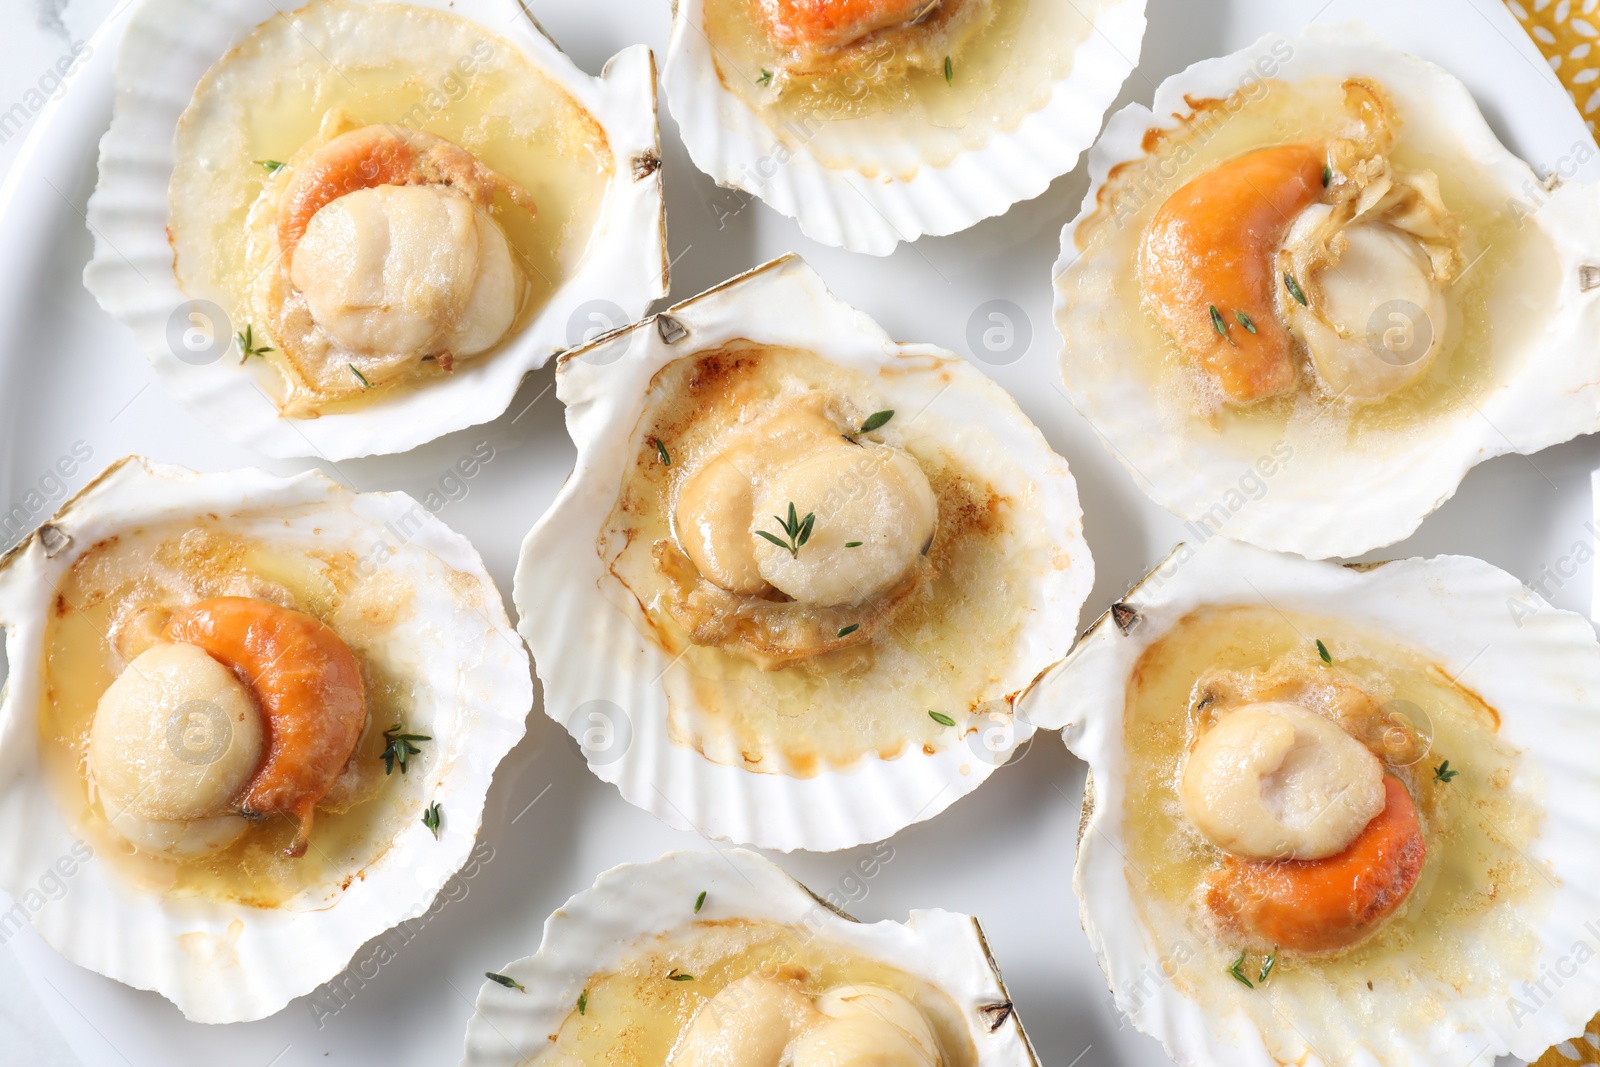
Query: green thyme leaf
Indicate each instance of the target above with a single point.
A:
(273, 166)
(699, 902)
(1220, 326)
(362, 378)
(846, 631)
(766, 77)
(1322, 650)
(796, 529)
(941, 718)
(949, 71)
(852, 544)
(1327, 175)
(1245, 320)
(247, 343)
(505, 980)
(398, 747)
(661, 450)
(583, 1002)
(433, 818)
(1267, 967)
(1294, 289)
(678, 976)
(875, 420)
(1238, 972)
(1443, 773)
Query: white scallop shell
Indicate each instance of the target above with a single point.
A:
(588, 648)
(598, 929)
(737, 147)
(168, 46)
(1332, 503)
(217, 960)
(1539, 666)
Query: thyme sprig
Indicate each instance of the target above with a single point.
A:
(796, 529)
(399, 747)
(247, 343)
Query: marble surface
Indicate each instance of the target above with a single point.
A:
(38, 39)
(42, 43)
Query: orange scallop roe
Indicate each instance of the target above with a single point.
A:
(371, 156)
(1322, 905)
(822, 25)
(308, 685)
(1213, 244)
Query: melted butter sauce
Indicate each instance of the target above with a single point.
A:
(882, 116)
(634, 1015)
(179, 565)
(380, 64)
(1509, 283)
(1468, 923)
(948, 644)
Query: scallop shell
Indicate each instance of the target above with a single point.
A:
(585, 629)
(872, 213)
(219, 960)
(596, 930)
(168, 47)
(1330, 502)
(1538, 665)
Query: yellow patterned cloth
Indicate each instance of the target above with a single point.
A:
(1585, 1049)
(1568, 33)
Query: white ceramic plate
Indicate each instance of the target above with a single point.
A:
(69, 373)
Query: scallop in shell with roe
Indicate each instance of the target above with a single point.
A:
(372, 218)
(1336, 814)
(259, 715)
(872, 122)
(1309, 289)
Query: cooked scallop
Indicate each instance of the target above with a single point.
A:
(800, 570)
(1285, 304)
(755, 972)
(376, 217)
(268, 708)
(872, 122)
(1333, 814)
